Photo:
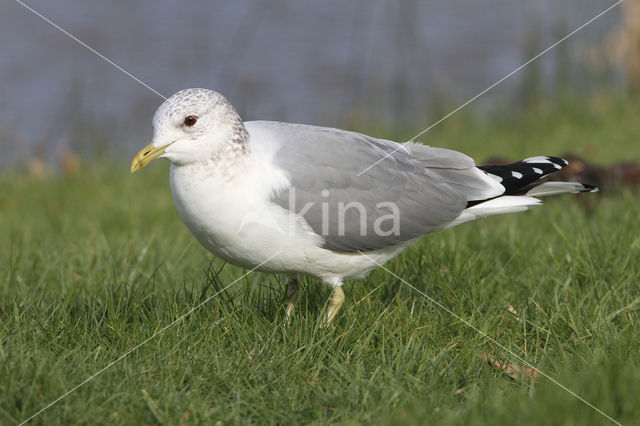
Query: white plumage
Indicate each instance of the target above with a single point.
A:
(309, 196)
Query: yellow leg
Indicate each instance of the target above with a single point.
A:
(335, 303)
(293, 292)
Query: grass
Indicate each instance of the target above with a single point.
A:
(93, 265)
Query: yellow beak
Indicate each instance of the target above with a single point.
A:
(145, 156)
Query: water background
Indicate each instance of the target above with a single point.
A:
(358, 64)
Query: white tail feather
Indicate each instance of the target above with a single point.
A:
(517, 203)
(557, 188)
(500, 205)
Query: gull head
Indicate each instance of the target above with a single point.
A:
(192, 126)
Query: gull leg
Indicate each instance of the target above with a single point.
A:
(293, 292)
(335, 303)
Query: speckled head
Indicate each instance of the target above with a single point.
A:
(194, 125)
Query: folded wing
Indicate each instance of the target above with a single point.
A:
(412, 189)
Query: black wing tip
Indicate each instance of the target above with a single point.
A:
(522, 175)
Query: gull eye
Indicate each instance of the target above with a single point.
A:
(190, 120)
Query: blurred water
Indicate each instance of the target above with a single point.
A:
(314, 62)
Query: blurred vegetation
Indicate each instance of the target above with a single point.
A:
(622, 47)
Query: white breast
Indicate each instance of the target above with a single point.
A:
(229, 213)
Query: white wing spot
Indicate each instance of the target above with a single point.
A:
(494, 177)
(516, 175)
(538, 159)
(537, 170)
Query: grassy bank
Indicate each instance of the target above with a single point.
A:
(93, 265)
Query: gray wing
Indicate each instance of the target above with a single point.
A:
(411, 191)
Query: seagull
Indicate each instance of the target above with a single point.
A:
(329, 203)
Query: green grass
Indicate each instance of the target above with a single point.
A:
(92, 266)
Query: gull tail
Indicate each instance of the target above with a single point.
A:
(520, 181)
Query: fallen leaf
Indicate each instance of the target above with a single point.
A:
(514, 371)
